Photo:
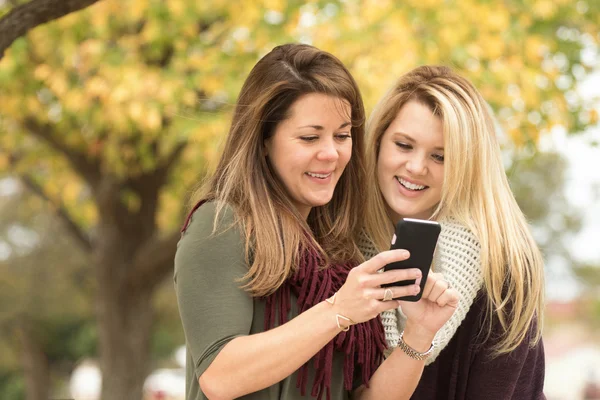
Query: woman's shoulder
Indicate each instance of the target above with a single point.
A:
(209, 229)
(459, 233)
(209, 216)
(211, 209)
(459, 249)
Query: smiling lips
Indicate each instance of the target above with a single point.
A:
(410, 186)
(324, 175)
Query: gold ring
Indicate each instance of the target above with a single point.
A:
(388, 295)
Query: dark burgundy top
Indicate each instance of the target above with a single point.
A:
(465, 370)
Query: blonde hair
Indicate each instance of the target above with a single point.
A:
(476, 192)
(275, 232)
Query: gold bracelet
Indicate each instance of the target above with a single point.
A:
(339, 317)
(343, 328)
(412, 353)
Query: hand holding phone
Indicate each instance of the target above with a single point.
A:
(419, 237)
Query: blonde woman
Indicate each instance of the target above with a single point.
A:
(431, 144)
(275, 299)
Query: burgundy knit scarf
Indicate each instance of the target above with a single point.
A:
(364, 343)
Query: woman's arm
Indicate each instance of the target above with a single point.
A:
(399, 374)
(217, 314)
(251, 363)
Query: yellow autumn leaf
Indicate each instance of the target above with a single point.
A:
(33, 105)
(42, 72)
(4, 163)
(153, 119)
(275, 5)
(138, 8)
(498, 19)
(71, 192)
(119, 94)
(176, 7)
(544, 8)
(593, 116)
(136, 110)
(492, 46)
(58, 84)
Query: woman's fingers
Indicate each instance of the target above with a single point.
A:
(449, 297)
(362, 297)
(437, 289)
(393, 292)
(394, 275)
(432, 280)
(382, 259)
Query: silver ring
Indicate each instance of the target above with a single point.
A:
(388, 295)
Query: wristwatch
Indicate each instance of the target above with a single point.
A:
(412, 353)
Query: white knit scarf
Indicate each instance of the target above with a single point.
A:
(458, 259)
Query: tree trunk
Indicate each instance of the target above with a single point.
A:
(125, 328)
(124, 319)
(35, 364)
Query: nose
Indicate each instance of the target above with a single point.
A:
(328, 151)
(417, 164)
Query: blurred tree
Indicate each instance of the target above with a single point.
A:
(538, 181)
(111, 114)
(47, 325)
(46, 318)
(26, 16)
(589, 276)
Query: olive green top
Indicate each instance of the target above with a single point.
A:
(214, 310)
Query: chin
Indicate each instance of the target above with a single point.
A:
(320, 202)
(409, 212)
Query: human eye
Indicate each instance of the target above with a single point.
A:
(439, 158)
(343, 136)
(309, 138)
(403, 146)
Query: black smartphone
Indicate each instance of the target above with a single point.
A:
(419, 237)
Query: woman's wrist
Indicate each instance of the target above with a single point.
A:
(342, 322)
(418, 337)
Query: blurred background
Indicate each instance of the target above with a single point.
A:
(112, 111)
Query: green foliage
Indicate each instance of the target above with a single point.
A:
(12, 385)
(70, 339)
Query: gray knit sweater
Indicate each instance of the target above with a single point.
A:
(458, 259)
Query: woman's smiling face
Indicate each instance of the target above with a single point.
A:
(310, 150)
(410, 163)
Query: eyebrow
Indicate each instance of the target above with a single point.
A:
(320, 128)
(410, 139)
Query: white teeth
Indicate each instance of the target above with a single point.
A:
(409, 185)
(321, 176)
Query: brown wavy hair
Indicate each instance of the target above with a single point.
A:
(274, 230)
